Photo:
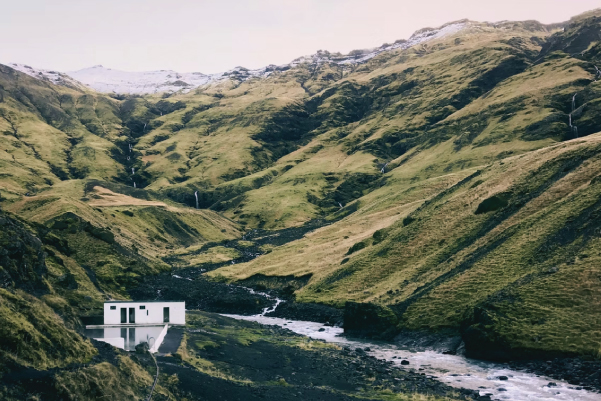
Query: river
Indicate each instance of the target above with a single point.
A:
(488, 378)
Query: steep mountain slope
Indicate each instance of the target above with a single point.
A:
(43, 356)
(342, 130)
(502, 251)
(507, 252)
(53, 133)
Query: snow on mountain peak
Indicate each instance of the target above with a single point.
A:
(362, 56)
(57, 78)
(108, 80)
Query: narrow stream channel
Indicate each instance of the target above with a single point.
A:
(495, 380)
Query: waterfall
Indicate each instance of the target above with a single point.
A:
(196, 196)
(144, 129)
(340, 205)
(130, 148)
(598, 74)
(133, 171)
(384, 168)
(573, 128)
(135, 184)
(127, 157)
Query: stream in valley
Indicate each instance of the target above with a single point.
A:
(499, 381)
(495, 380)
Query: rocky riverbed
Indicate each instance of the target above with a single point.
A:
(560, 378)
(490, 380)
(223, 358)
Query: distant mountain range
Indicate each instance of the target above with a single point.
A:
(107, 80)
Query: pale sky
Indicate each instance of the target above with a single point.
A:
(216, 35)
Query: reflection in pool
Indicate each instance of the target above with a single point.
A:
(127, 337)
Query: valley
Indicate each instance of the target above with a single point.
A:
(440, 195)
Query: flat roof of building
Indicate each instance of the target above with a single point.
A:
(139, 302)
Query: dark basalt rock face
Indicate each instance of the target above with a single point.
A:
(370, 320)
(481, 341)
(575, 39)
(309, 312)
(284, 286)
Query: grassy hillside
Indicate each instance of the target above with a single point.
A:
(506, 251)
(42, 354)
(297, 152)
(454, 183)
(470, 228)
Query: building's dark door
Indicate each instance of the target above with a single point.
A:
(132, 315)
(166, 315)
(123, 315)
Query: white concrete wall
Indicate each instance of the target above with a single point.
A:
(154, 346)
(152, 314)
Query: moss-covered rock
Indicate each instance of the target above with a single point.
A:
(370, 320)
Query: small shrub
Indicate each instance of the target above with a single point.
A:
(408, 220)
(357, 247)
(493, 203)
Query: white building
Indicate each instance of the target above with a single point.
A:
(128, 323)
(117, 313)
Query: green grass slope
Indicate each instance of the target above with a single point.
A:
(267, 143)
(450, 172)
(42, 355)
(506, 253)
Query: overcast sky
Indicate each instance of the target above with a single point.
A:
(216, 35)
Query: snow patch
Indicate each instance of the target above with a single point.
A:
(55, 77)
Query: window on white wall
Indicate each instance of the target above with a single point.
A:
(113, 307)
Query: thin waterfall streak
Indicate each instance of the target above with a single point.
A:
(196, 196)
(570, 123)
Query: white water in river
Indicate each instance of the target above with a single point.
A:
(453, 370)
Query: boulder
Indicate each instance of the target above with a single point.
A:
(370, 320)
(142, 348)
